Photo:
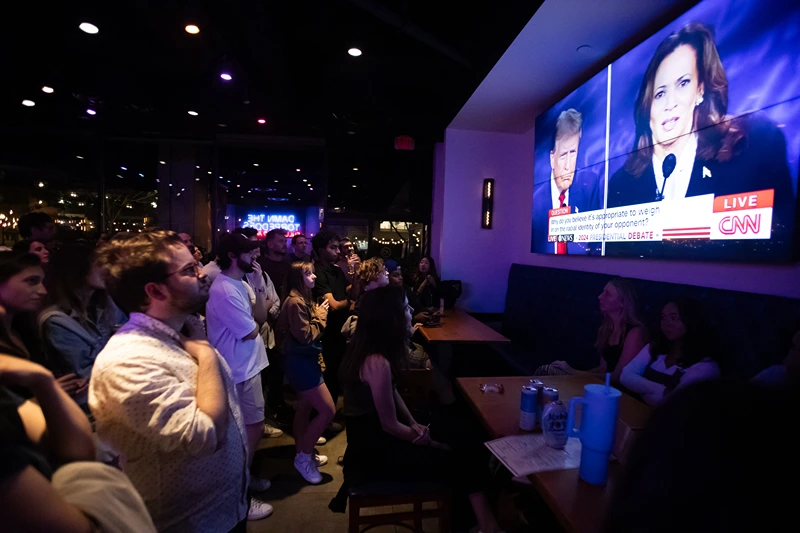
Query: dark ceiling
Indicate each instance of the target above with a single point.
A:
(142, 73)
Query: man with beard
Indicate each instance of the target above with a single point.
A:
(234, 325)
(161, 394)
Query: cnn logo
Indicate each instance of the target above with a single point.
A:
(740, 224)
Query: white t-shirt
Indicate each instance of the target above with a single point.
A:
(653, 393)
(229, 315)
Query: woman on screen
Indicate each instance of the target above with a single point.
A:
(685, 143)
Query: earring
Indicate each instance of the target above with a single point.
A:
(699, 101)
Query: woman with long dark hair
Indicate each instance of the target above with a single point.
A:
(687, 145)
(620, 337)
(424, 284)
(36, 248)
(384, 441)
(300, 327)
(80, 317)
(682, 351)
(22, 294)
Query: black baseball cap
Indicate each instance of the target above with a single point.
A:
(235, 243)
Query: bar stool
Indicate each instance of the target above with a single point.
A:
(386, 494)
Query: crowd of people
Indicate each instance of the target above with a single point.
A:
(133, 370)
(165, 370)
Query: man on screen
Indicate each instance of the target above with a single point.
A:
(563, 189)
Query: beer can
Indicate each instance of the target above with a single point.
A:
(527, 408)
(549, 394)
(554, 424)
(538, 385)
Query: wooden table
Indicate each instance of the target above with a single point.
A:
(460, 328)
(580, 507)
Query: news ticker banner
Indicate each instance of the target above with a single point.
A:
(736, 216)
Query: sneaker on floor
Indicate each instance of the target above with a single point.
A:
(334, 427)
(258, 484)
(258, 509)
(321, 441)
(305, 464)
(272, 432)
(321, 460)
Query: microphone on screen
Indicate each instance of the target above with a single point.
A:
(667, 168)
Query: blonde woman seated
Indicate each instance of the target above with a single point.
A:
(621, 336)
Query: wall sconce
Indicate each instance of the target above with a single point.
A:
(487, 209)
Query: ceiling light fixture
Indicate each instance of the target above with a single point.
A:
(355, 52)
(305, 181)
(225, 76)
(91, 112)
(297, 170)
(354, 186)
(141, 175)
(28, 103)
(48, 90)
(88, 28)
(124, 168)
(255, 164)
(193, 113)
(276, 181)
(192, 29)
(79, 156)
(41, 184)
(162, 162)
(355, 168)
(262, 121)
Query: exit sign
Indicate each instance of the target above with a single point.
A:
(403, 142)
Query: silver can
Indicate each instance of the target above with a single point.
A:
(537, 386)
(527, 408)
(554, 424)
(549, 394)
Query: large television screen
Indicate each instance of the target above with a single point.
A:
(686, 147)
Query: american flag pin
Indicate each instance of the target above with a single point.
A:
(706, 172)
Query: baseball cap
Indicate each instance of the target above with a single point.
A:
(391, 265)
(235, 243)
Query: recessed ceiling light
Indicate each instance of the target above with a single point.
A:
(41, 184)
(238, 185)
(305, 181)
(222, 125)
(88, 28)
(255, 164)
(209, 172)
(289, 194)
(584, 49)
(91, 112)
(297, 170)
(191, 28)
(48, 90)
(124, 168)
(276, 181)
(355, 168)
(354, 186)
(28, 103)
(197, 179)
(311, 189)
(351, 132)
(141, 175)
(79, 156)
(193, 113)
(355, 52)
(262, 121)
(197, 166)
(162, 162)
(225, 76)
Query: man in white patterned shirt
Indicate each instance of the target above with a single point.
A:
(162, 395)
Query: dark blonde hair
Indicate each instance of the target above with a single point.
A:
(716, 136)
(370, 270)
(630, 312)
(131, 262)
(295, 281)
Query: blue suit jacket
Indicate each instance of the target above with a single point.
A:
(585, 194)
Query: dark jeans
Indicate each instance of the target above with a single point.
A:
(333, 348)
(273, 378)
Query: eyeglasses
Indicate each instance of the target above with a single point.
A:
(193, 270)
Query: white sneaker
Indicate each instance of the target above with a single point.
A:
(307, 467)
(272, 432)
(258, 509)
(321, 441)
(258, 484)
(321, 460)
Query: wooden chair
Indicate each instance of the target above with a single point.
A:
(414, 386)
(388, 494)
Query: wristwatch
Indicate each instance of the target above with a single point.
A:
(261, 291)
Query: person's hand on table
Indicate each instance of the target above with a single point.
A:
(423, 434)
(422, 317)
(563, 366)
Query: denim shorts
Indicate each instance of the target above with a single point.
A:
(303, 372)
